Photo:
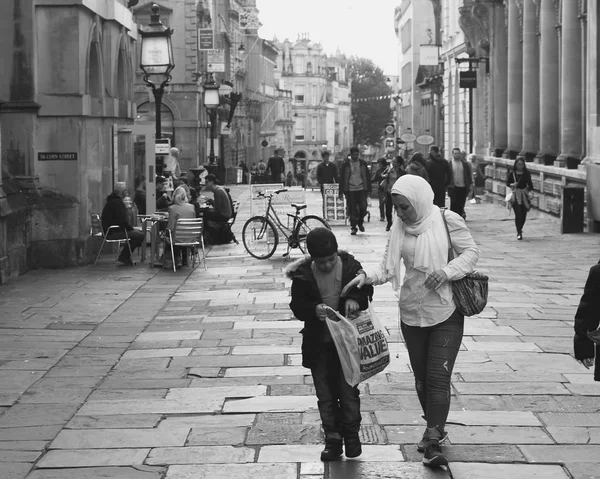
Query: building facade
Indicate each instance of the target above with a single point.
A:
(66, 111)
(320, 104)
(414, 23)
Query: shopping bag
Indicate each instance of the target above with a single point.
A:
(361, 345)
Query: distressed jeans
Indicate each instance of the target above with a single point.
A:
(339, 403)
(432, 351)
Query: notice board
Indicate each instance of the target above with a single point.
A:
(334, 208)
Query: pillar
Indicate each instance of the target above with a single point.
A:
(531, 83)
(570, 90)
(515, 82)
(549, 81)
(499, 81)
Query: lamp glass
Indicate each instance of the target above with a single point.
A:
(156, 55)
(211, 97)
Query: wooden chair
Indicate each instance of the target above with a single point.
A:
(96, 231)
(188, 233)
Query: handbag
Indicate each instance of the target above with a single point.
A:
(470, 292)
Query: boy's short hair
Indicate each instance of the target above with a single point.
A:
(321, 242)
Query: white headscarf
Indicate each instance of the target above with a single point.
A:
(431, 250)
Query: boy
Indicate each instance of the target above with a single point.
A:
(317, 281)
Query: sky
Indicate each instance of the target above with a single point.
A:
(358, 27)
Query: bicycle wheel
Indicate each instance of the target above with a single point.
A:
(260, 237)
(307, 223)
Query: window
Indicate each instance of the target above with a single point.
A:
(313, 132)
(299, 94)
(298, 64)
(309, 68)
(406, 35)
(299, 129)
(315, 100)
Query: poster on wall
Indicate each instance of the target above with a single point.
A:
(334, 209)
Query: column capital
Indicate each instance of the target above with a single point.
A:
(475, 22)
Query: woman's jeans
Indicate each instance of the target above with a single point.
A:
(339, 403)
(520, 216)
(432, 351)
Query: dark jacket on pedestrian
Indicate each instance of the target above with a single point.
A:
(306, 296)
(439, 173)
(345, 176)
(468, 176)
(587, 319)
(114, 213)
(327, 173)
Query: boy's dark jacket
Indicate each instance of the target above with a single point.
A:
(587, 319)
(306, 297)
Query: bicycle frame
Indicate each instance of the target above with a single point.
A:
(274, 217)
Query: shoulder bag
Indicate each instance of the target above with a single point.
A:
(471, 292)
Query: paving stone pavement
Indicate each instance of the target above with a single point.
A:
(141, 373)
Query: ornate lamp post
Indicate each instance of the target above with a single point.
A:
(156, 59)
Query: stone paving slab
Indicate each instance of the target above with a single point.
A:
(229, 471)
(92, 457)
(270, 404)
(130, 421)
(570, 419)
(383, 470)
(120, 438)
(97, 473)
(502, 471)
(201, 455)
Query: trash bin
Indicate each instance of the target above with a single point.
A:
(571, 212)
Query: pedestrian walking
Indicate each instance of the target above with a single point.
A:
(276, 167)
(587, 320)
(378, 178)
(326, 171)
(439, 175)
(520, 181)
(317, 282)
(417, 165)
(355, 184)
(390, 176)
(431, 324)
(461, 181)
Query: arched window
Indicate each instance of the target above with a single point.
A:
(94, 82)
(146, 114)
(122, 83)
(309, 68)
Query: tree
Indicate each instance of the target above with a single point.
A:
(370, 112)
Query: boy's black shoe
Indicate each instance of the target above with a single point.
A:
(433, 456)
(333, 450)
(353, 446)
(361, 227)
(353, 231)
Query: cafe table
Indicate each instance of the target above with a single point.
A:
(156, 224)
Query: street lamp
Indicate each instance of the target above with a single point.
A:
(156, 59)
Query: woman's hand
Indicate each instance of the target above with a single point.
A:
(357, 282)
(323, 312)
(587, 362)
(352, 308)
(436, 279)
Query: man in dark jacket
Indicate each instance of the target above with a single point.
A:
(317, 282)
(355, 184)
(115, 214)
(587, 320)
(276, 168)
(326, 171)
(439, 175)
(461, 181)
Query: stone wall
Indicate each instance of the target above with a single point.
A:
(548, 184)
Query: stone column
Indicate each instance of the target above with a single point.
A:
(549, 81)
(570, 90)
(531, 82)
(515, 81)
(499, 81)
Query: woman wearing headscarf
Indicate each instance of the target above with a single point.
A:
(431, 325)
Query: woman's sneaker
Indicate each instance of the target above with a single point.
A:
(433, 456)
(422, 444)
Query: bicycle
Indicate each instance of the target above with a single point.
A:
(260, 236)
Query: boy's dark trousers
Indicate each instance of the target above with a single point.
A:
(339, 403)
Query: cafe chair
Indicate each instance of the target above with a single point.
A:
(97, 232)
(188, 233)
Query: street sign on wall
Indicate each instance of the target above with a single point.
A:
(205, 39)
(408, 137)
(425, 140)
(215, 60)
(468, 79)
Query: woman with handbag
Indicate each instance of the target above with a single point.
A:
(431, 324)
(520, 181)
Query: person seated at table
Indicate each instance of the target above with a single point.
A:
(194, 201)
(180, 209)
(162, 197)
(114, 213)
(216, 230)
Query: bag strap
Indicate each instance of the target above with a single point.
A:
(450, 248)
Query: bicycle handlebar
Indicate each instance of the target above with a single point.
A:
(260, 194)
